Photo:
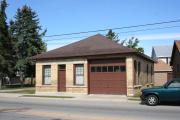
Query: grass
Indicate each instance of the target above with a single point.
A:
(136, 96)
(17, 86)
(43, 96)
(19, 90)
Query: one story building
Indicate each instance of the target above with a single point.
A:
(95, 65)
(175, 59)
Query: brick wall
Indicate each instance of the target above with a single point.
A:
(160, 78)
(144, 79)
(70, 87)
(129, 76)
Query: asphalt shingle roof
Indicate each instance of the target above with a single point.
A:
(161, 66)
(94, 45)
(163, 51)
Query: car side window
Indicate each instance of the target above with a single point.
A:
(174, 84)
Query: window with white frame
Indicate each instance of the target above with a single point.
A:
(46, 74)
(79, 74)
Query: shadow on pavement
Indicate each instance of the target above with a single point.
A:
(170, 104)
(164, 103)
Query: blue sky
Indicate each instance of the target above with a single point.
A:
(67, 16)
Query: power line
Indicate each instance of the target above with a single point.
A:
(118, 28)
(158, 28)
(118, 33)
(65, 38)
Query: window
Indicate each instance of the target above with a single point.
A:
(135, 73)
(110, 68)
(174, 84)
(98, 69)
(104, 69)
(135, 66)
(151, 70)
(61, 67)
(139, 69)
(93, 69)
(116, 69)
(122, 68)
(139, 72)
(79, 74)
(178, 67)
(46, 74)
(147, 71)
(151, 73)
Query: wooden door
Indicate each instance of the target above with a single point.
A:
(62, 78)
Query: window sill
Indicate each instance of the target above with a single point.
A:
(137, 86)
(46, 84)
(78, 85)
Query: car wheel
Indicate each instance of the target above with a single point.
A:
(152, 100)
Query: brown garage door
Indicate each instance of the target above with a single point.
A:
(107, 77)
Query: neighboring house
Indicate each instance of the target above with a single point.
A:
(95, 65)
(162, 73)
(162, 68)
(162, 53)
(175, 59)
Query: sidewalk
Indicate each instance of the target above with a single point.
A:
(10, 95)
(78, 97)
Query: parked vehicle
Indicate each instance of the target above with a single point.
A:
(169, 92)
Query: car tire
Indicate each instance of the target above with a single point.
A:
(152, 100)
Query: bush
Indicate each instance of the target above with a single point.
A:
(137, 93)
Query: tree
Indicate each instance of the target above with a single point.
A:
(6, 46)
(26, 30)
(114, 36)
(133, 43)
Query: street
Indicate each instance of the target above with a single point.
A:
(59, 109)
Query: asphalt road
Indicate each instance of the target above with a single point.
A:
(58, 109)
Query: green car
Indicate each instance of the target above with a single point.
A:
(169, 92)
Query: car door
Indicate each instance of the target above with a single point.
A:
(172, 91)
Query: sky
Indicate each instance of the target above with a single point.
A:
(69, 16)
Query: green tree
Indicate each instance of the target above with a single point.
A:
(114, 36)
(133, 43)
(6, 46)
(26, 30)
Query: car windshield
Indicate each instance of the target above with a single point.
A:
(165, 85)
(169, 81)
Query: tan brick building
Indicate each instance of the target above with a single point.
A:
(94, 65)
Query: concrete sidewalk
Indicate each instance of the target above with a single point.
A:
(89, 97)
(118, 98)
(10, 95)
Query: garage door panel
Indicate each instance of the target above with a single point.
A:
(107, 82)
(106, 76)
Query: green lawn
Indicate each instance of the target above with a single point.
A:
(27, 90)
(43, 96)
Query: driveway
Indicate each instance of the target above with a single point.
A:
(12, 108)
